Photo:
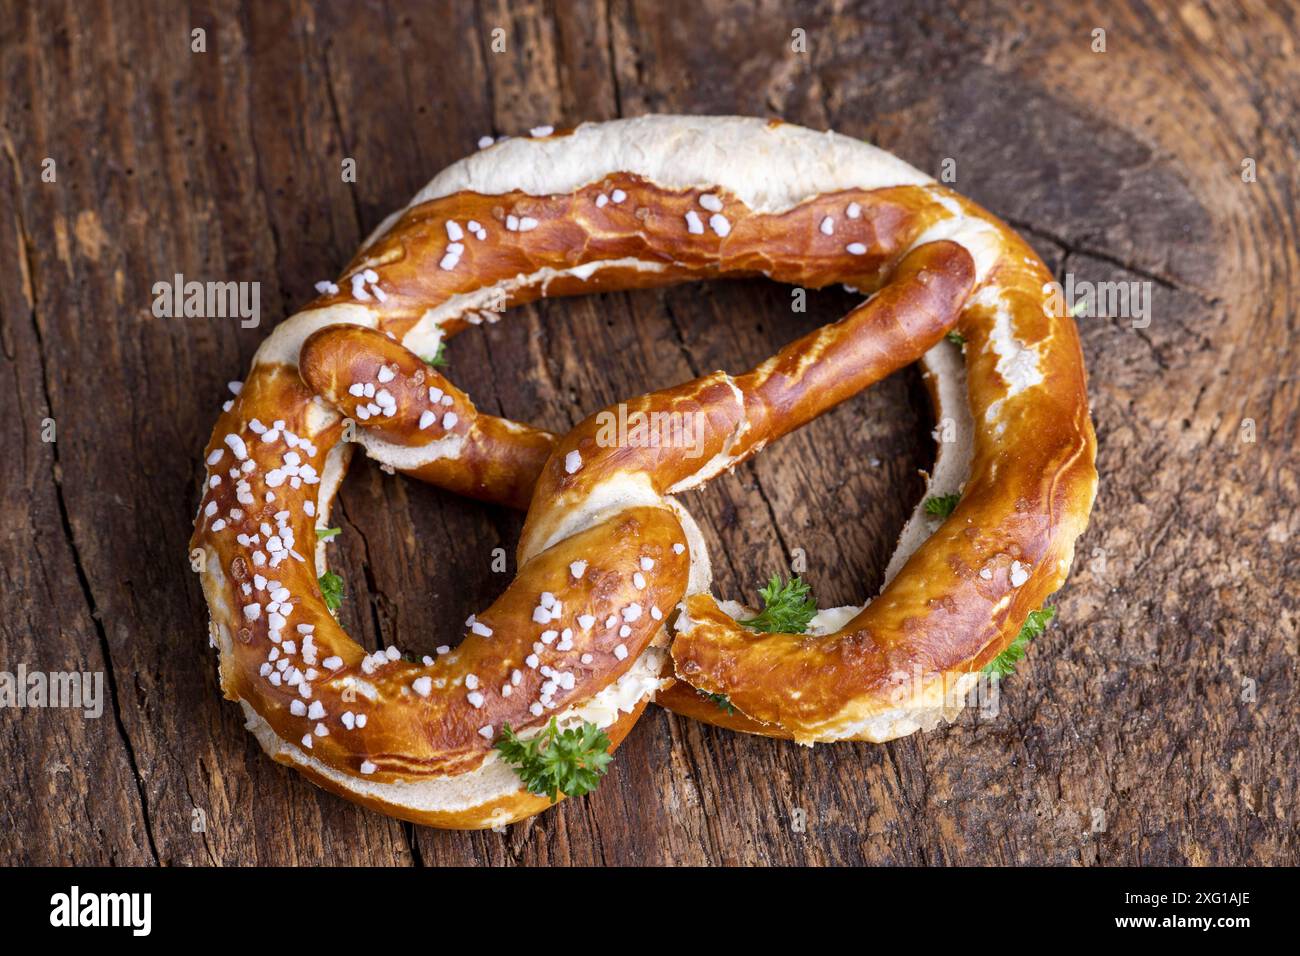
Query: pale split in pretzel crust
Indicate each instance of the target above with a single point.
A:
(610, 606)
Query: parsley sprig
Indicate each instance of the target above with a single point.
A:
(324, 534)
(331, 589)
(721, 701)
(956, 338)
(787, 608)
(439, 359)
(1004, 665)
(570, 762)
(941, 505)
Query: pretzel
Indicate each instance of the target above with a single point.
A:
(611, 606)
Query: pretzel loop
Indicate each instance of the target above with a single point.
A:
(610, 605)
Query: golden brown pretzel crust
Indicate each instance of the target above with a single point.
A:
(603, 543)
(500, 460)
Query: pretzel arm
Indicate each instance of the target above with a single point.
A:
(433, 432)
(894, 328)
(499, 460)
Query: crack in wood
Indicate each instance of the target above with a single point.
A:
(1071, 247)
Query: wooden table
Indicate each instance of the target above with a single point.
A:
(1156, 723)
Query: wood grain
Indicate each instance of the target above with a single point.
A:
(1155, 724)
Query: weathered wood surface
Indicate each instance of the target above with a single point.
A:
(1155, 724)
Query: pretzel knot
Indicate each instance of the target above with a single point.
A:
(611, 603)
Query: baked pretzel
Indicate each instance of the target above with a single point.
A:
(611, 602)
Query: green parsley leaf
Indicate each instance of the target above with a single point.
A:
(941, 505)
(439, 359)
(324, 534)
(331, 589)
(721, 701)
(956, 338)
(553, 762)
(1004, 665)
(787, 608)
